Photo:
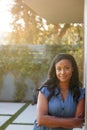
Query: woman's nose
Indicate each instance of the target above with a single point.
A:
(62, 71)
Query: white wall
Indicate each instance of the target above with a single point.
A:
(85, 58)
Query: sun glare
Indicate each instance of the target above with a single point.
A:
(5, 15)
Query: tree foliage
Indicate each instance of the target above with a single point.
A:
(32, 45)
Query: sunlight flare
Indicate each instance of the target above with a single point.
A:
(5, 15)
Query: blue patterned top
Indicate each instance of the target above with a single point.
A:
(59, 108)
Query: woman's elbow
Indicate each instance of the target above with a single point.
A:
(40, 119)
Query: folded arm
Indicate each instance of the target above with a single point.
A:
(44, 119)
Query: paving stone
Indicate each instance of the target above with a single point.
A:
(27, 116)
(3, 119)
(19, 127)
(83, 128)
(10, 108)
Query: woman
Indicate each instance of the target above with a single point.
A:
(61, 100)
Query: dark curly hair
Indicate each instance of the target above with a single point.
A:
(53, 81)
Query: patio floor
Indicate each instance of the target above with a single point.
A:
(14, 116)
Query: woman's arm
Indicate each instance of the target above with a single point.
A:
(51, 121)
(80, 110)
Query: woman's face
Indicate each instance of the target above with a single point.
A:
(64, 70)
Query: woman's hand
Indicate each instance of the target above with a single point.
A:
(78, 122)
(37, 124)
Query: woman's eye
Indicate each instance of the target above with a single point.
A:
(67, 68)
(58, 69)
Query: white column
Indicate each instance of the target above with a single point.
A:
(85, 59)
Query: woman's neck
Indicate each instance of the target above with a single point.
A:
(64, 86)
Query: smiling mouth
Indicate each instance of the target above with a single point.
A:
(63, 77)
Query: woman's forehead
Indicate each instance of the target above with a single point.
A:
(64, 62)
